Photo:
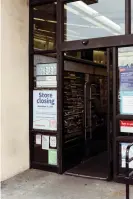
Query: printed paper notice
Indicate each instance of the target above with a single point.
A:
(52, 141)
(52, 157)
(45, 142)
(38, 139)
(126, 103)
(45, 110)
(126, 126)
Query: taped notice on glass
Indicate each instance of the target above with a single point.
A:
(126, 126)
(52, 157)
(127, 103)
(45, 142)
(38, 139)
(46, 81)
(52, 141)
(123, 155)
(45, 109)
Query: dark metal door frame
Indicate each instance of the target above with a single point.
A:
(109, 116)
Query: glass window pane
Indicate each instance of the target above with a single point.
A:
(125, 80)
(44, 26)
(45, 71)
(122, 156)
(101, 19)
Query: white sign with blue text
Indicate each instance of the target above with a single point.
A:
(45, 110)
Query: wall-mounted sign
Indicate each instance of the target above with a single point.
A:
(45, 109)
(123, 155)
(126, 126)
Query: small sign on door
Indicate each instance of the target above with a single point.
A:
(53, 141)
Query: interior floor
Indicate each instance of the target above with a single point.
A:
(95, 167)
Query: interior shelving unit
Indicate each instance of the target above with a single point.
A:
(73, 105)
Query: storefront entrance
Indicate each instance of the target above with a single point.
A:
(88, 102)
(81, 86)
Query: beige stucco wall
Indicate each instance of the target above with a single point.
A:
(14, 88)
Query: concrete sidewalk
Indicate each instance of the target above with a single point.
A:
(35, 184)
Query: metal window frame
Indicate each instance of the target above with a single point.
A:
(61, 47)
(33, 52)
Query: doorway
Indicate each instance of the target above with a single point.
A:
(56, 29)
(88, 113)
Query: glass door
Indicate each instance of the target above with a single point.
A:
(87, 135)
(99, 96)
(122, 108)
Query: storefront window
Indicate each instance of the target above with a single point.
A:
(45, 71)
(101, 19)
(45, 92)
(44, 27)
(125, 68)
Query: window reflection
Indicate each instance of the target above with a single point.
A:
(45, 71)
(44, 26)
(125, 93)
(101, 19)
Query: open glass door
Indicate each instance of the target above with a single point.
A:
(96, 121)
(88, 113)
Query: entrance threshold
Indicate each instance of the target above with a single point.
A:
(84, 176)
(94, 168)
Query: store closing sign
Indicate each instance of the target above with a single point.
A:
(126, 126)
(45, 109)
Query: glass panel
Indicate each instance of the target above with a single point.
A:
(45, 71)
(45, 93)
(125, 80)
(122, 157)
(87, 62)
(85, 107)
(44, 26)
(101, 19)
(96, 56)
